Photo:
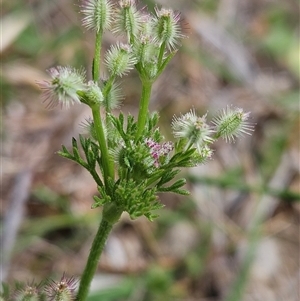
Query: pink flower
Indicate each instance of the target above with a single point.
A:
(159, 151)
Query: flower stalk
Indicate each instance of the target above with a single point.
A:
(108, 168)
(143, 109)
(97, 56)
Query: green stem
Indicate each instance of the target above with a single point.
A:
(110, 216)
(97, 55)
(95, 176)
(143, 110)
(108, 168)
(93, 259)
(106, 90)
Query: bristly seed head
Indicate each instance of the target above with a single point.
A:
(98, 14)
(166, 28)
(120, 59)
(232, 123)
(63, 87)
(127, 19)
(63, 290)
(29, 292)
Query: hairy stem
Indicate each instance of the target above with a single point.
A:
(93, 259)
(110, 216)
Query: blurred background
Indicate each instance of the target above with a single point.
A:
(236, 237)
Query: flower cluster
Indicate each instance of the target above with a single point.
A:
(159, 152)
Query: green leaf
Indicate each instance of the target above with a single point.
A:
(75, 149)
(168, 176)
(181, 191)
(175, 187)
(65, 150)
(82, 141)
(65, 155)
(98, 202)
(91, 159)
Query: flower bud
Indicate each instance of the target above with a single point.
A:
(119, 59)
(63, 87)
(94, 93)
(98, 14)
(232, 123)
